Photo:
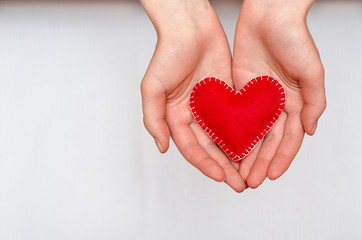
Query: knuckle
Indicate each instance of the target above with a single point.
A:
(271, 137)
(284, 158)
(291, 137)
(324, 104)
(318, 107)
(187, 147)
(315, 75)
(318, 71)
(210, 143)
(147, 123)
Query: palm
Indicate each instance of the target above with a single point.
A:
(288, 54)
(177, 65)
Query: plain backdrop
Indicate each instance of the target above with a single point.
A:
(76, 162)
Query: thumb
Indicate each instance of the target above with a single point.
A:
(313, 91)
(154, 110)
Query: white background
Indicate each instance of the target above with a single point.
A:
(76, 162)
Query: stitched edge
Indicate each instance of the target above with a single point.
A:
(259, 136)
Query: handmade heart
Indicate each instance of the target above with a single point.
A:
(237, 120)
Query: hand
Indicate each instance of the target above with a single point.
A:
(191, 46)
(272, 39)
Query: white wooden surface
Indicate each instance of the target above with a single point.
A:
(76, 162)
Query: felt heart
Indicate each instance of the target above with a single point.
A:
(237, 120)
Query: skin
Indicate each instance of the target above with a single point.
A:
(189, 48)
(272, 38)
(192, 45)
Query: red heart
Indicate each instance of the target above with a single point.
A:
(237, 121)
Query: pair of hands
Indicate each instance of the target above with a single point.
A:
(271, 38)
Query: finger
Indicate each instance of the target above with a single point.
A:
(154, 110)
(266, 153)
(233, 178)
(247, 163)
(192, 151)
(313, 91)
(289, 146)
(235, 164)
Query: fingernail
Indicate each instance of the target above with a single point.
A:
(159, 146)
(314, 127)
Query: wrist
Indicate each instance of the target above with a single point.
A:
(295, 10)
(175, 17)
